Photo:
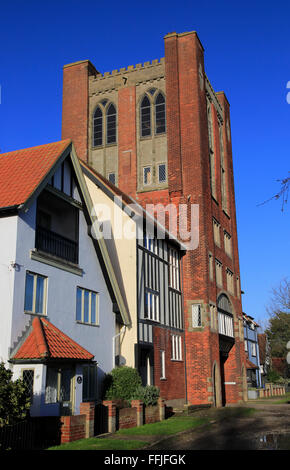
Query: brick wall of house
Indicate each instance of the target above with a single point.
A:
(170, 387)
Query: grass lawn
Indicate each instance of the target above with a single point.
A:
(94, 443)
(166, 428)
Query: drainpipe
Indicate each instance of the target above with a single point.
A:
(123, 329)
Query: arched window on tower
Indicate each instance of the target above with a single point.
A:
(111, 124)
(225, 316)
(160, 120)
(98, 127)
(145, 128)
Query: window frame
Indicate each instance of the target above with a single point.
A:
(152, 313)
(29, 385)
(176, 348)
(112, 173)
(196, 315)
(108, 116)
(165, 172)
(101, 118)
(151, 175)
(157, 93)
(36, 276)
(82, 306)
(142, 107)
(162, 365)
(174, 269)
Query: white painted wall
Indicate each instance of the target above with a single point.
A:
(8, 231)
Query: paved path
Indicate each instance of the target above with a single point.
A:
(267, 428)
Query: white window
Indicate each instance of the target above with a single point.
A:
(162, 359)
(176, 348)
(253, 349)
(246, 345)
(35, 293)
(152, 306)
(147, 175)
(87, 306)
(151, 243)
(174, 280)
(162, 173)
(196, 315)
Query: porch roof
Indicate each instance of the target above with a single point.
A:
(250, 364)
(46, 342)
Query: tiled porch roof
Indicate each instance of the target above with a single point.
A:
(46, 342)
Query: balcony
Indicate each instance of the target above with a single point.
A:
(56, 245)
(57, 228)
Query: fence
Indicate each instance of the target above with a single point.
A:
(31, 434)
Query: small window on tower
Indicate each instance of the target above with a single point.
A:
(112, 178)
(162, 173)
(147, 175)
(98, 127)
(111, 124)
(160, 125)
(145, 117)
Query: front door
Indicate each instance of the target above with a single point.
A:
(66, 391)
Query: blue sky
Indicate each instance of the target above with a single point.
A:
(247, 52)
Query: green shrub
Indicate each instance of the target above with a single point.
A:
(14, 398)
(149, 394)
(273, 376)
(121, 383)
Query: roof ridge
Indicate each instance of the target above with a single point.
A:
(40, 338)
(36, 147)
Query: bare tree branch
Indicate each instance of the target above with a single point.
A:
(283, 193)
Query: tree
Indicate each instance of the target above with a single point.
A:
(278, 330)
(14, 398)
(282, 193)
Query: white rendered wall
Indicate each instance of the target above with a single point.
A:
(8, 231)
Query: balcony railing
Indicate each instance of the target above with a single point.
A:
(56, 245)
(226, 326)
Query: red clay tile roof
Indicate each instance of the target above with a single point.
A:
(46, 341)
(21, 171)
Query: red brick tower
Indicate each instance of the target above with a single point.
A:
(194, 152)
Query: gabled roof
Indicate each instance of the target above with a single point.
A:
(21, 171)
(25, 173)
(46, 342)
